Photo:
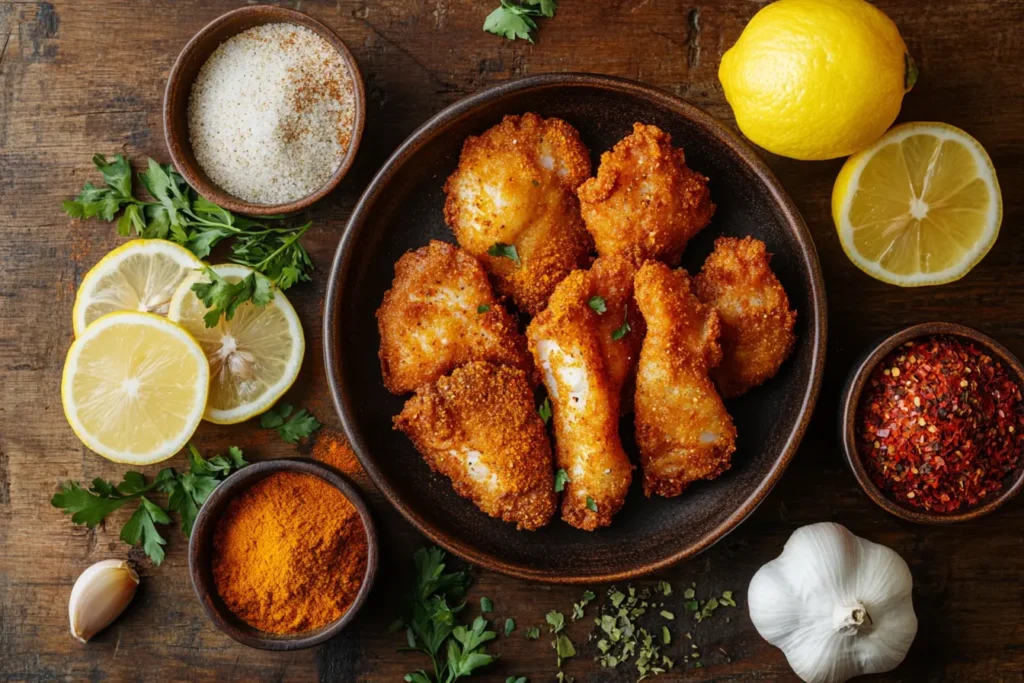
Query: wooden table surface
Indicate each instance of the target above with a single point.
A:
(79, 77)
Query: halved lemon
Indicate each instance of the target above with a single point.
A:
(921, 206)
(134, 387)
(254, 357)
(140, 275)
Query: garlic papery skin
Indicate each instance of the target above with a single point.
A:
(837, 605)
(100, 594)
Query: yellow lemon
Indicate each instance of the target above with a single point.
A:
(817, 79)
(921, 206)
(140, 275)
(134, 387)
(254, 357)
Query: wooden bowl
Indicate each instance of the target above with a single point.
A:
(402, 210)
(200, 550)
(858, 379)
(179, 87)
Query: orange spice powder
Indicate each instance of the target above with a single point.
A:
(289, 554)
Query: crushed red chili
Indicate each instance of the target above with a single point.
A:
(940, 424)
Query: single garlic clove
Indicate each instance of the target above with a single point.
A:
(100, 594)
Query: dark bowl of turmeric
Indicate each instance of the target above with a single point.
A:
(283, 554)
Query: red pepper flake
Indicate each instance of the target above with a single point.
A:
(939, 424)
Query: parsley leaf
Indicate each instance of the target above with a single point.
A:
(514, 19)
(544, 410)
(561, 479)
(513, 679)
(483, 308)
(301, 424)
(510, 626)
(502, 250)
(532, 633)
(186, 492)
(591, 505)
(620, 332)
(270, 247)
(486, 605)
(597, 304)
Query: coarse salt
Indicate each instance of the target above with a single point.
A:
(271, 113)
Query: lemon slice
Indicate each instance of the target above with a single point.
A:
(254, 357)
(134, 387)
(140, 275)
(921, 206)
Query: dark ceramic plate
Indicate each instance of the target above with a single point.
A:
(402, 210)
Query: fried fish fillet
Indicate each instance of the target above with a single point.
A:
(515, 187)
(567, 341)
(645, 202)
(682, 427)
(480, 428)
(441, 313)
(757, 322)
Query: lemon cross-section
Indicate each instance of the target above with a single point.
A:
(134, 387)
(140, 275)
(921, 206)
(254, 357)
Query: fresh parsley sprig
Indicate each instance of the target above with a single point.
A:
(301, 424)
(186, 493)
(515, 18)
(455, 651)
(271, 247)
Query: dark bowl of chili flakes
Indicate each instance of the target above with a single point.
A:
(931, 421)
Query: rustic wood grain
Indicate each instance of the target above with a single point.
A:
(85, 76)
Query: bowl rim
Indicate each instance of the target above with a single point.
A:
(205, 527)
(197, 179)
(817, 326)
(850, 399)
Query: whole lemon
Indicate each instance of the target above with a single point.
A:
(817, 79)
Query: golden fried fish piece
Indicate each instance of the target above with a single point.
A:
(682, 427)
(567, 341)
(645, 202)
(441, 313)
(515, 185)
(757, 322)
(480, 428)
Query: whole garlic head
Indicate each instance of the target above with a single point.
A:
(836, 604)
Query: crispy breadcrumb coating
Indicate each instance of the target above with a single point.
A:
(757, 322)
(567, 343)
(644, 201)
(682, 427)
(515, 184)
(480, 428)
(441, 313)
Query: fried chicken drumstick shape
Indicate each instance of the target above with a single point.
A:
(682, 427)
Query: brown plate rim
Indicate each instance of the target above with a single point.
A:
(343, 400)
(857, 380)
(205, 526)
(209, 189)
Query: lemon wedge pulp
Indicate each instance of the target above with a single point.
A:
(254, 357)
(134, 387)
(921, 206)
(140, 275)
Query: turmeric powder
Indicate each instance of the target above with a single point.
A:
(289, 554)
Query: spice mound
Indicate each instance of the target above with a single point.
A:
(271, 113)
(940, 424)
(289, 554)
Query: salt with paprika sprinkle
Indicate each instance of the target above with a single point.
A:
(940, 424)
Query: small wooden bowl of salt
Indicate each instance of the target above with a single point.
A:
(264, 111)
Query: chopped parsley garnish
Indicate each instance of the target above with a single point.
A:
(544, 410)
(597, 304)
(621, 331)
(532, 633)
(591, 505)
(502, 250)
(561, 479)
(510, 626)
(486, 605)
(483, 308)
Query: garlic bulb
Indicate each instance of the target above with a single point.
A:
(836, 604)
(100, 594)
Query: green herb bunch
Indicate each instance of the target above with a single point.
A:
(455, 651)
(186, 493)
(515, 18)
(271, 247)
